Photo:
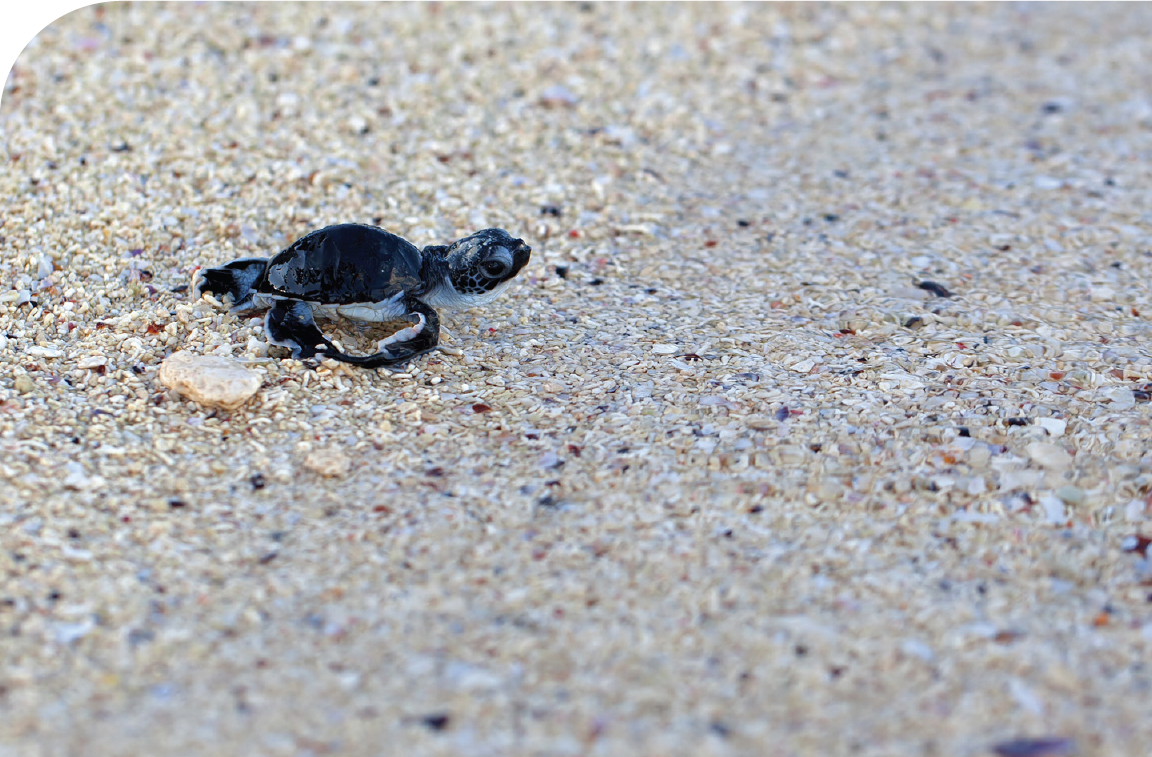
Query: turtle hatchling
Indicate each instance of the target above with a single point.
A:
(366, 274)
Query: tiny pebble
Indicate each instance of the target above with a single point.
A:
(1054, 426)
(330, 462)
(1054, 511)
(1049, 455)
(47, 352)
(1071, 495)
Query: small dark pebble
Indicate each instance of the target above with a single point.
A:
(1052, 746)
(651, 290)
(436, 472)
(934, 288)
(176, 504)
(831, 217)
(178, 289)
(138, 636)
(595, 282)
(268, 558)
(1017, 421)
(437, 722)
(913, 322)
(1052, 107)
(963, 430)
(783, 413)
(1141, 395)
(562, 271)
(122, 147)
(840, 174)
(546, 501)
(743, 224)
(550, 210)
(755, 509)
(720, 729)
(257, 481)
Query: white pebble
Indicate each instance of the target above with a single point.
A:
(1054, 426)
(1053, 509)
(1049, 455)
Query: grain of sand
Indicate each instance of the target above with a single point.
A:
(738, 483)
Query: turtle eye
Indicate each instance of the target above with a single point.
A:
(494, 269)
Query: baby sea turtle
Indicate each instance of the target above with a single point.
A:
(366, 274)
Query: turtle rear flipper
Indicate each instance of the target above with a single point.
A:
(422, 336)
(237, 280)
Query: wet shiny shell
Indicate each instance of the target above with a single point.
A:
(343, 264)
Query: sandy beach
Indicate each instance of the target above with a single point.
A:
(818, 424)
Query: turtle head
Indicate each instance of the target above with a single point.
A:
(480, 265)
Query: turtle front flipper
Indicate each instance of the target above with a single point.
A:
(237, 280)
(422, 336)
(289, 324)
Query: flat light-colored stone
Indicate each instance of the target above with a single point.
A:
(211, 380)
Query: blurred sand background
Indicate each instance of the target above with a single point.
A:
(734, 484)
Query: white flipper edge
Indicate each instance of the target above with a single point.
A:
(403, 335)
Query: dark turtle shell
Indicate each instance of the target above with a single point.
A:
(343, 264)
